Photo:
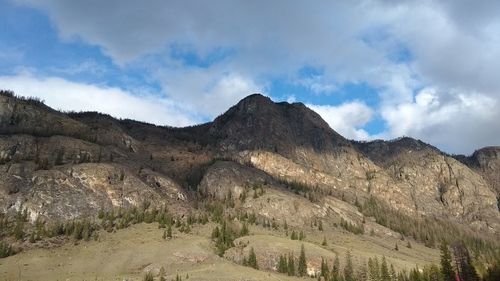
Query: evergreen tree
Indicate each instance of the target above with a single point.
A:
(291, 265)
(169, 231)
(244, 230)
(5, 249)
(294, 235)
(32, 237)
(433, 273)
(394, 276)
(149, 276)
(493, 272)
(215, 232)
(415, 275)
(302, 235)
(466, 270)
(373, 269)
(86, 230)
(282, 264)
(252, 259)
(324, 243)
(362, 274)
(348, 269)
(302, 266)
(19, 230)
(324, 268)
(336, 268)
(446, 267)
(384, 271)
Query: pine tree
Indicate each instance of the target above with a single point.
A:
(446, 267)
(466, 270)
(5, 249)
(215, 232)
(302, 266)
(148, 276)
(169, 231)
(302, 235)
(294, 235)
(187, 229)
(362, 274)
(373, 269)
(19, 230)
(433, 273)
(252, 259)
(324, 268)
(336, 268)
(394, 276)
(384, 271)
(348, 269)
(291, 265)
(324, 243)
(282, 264)
(244, 230)
(415, 275)
(32, 237)
(86, 230)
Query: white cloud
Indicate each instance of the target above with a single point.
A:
(66, 95)
(347, 119)
(449, 45)
(209, 92)
(457, 121)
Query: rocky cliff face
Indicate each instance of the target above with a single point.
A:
(57, 167)
(486, 161)
(68, 165)
(438, 184)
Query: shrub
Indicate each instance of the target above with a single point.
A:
(5, 249)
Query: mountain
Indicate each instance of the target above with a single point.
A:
(485, 161)
(279, 162)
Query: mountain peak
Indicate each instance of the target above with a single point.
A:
(256, 97)
(252, 103)
(257, 122)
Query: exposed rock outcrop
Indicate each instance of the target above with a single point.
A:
(67, 165)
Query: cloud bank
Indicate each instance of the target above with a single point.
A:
(433, 64)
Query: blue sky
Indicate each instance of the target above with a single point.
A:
(371, 69)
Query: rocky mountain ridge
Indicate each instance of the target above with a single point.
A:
(68, 165)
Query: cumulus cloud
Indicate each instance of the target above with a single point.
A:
(451, 49)
(456, 121)
(209, 92)
(347, 119)
(66, 95)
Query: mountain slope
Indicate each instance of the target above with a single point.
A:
(279, 163)
(439, 183)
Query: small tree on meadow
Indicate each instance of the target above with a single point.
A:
(302, 266)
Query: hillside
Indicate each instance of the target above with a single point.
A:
(273, 168)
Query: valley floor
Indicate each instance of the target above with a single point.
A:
(129, 253)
